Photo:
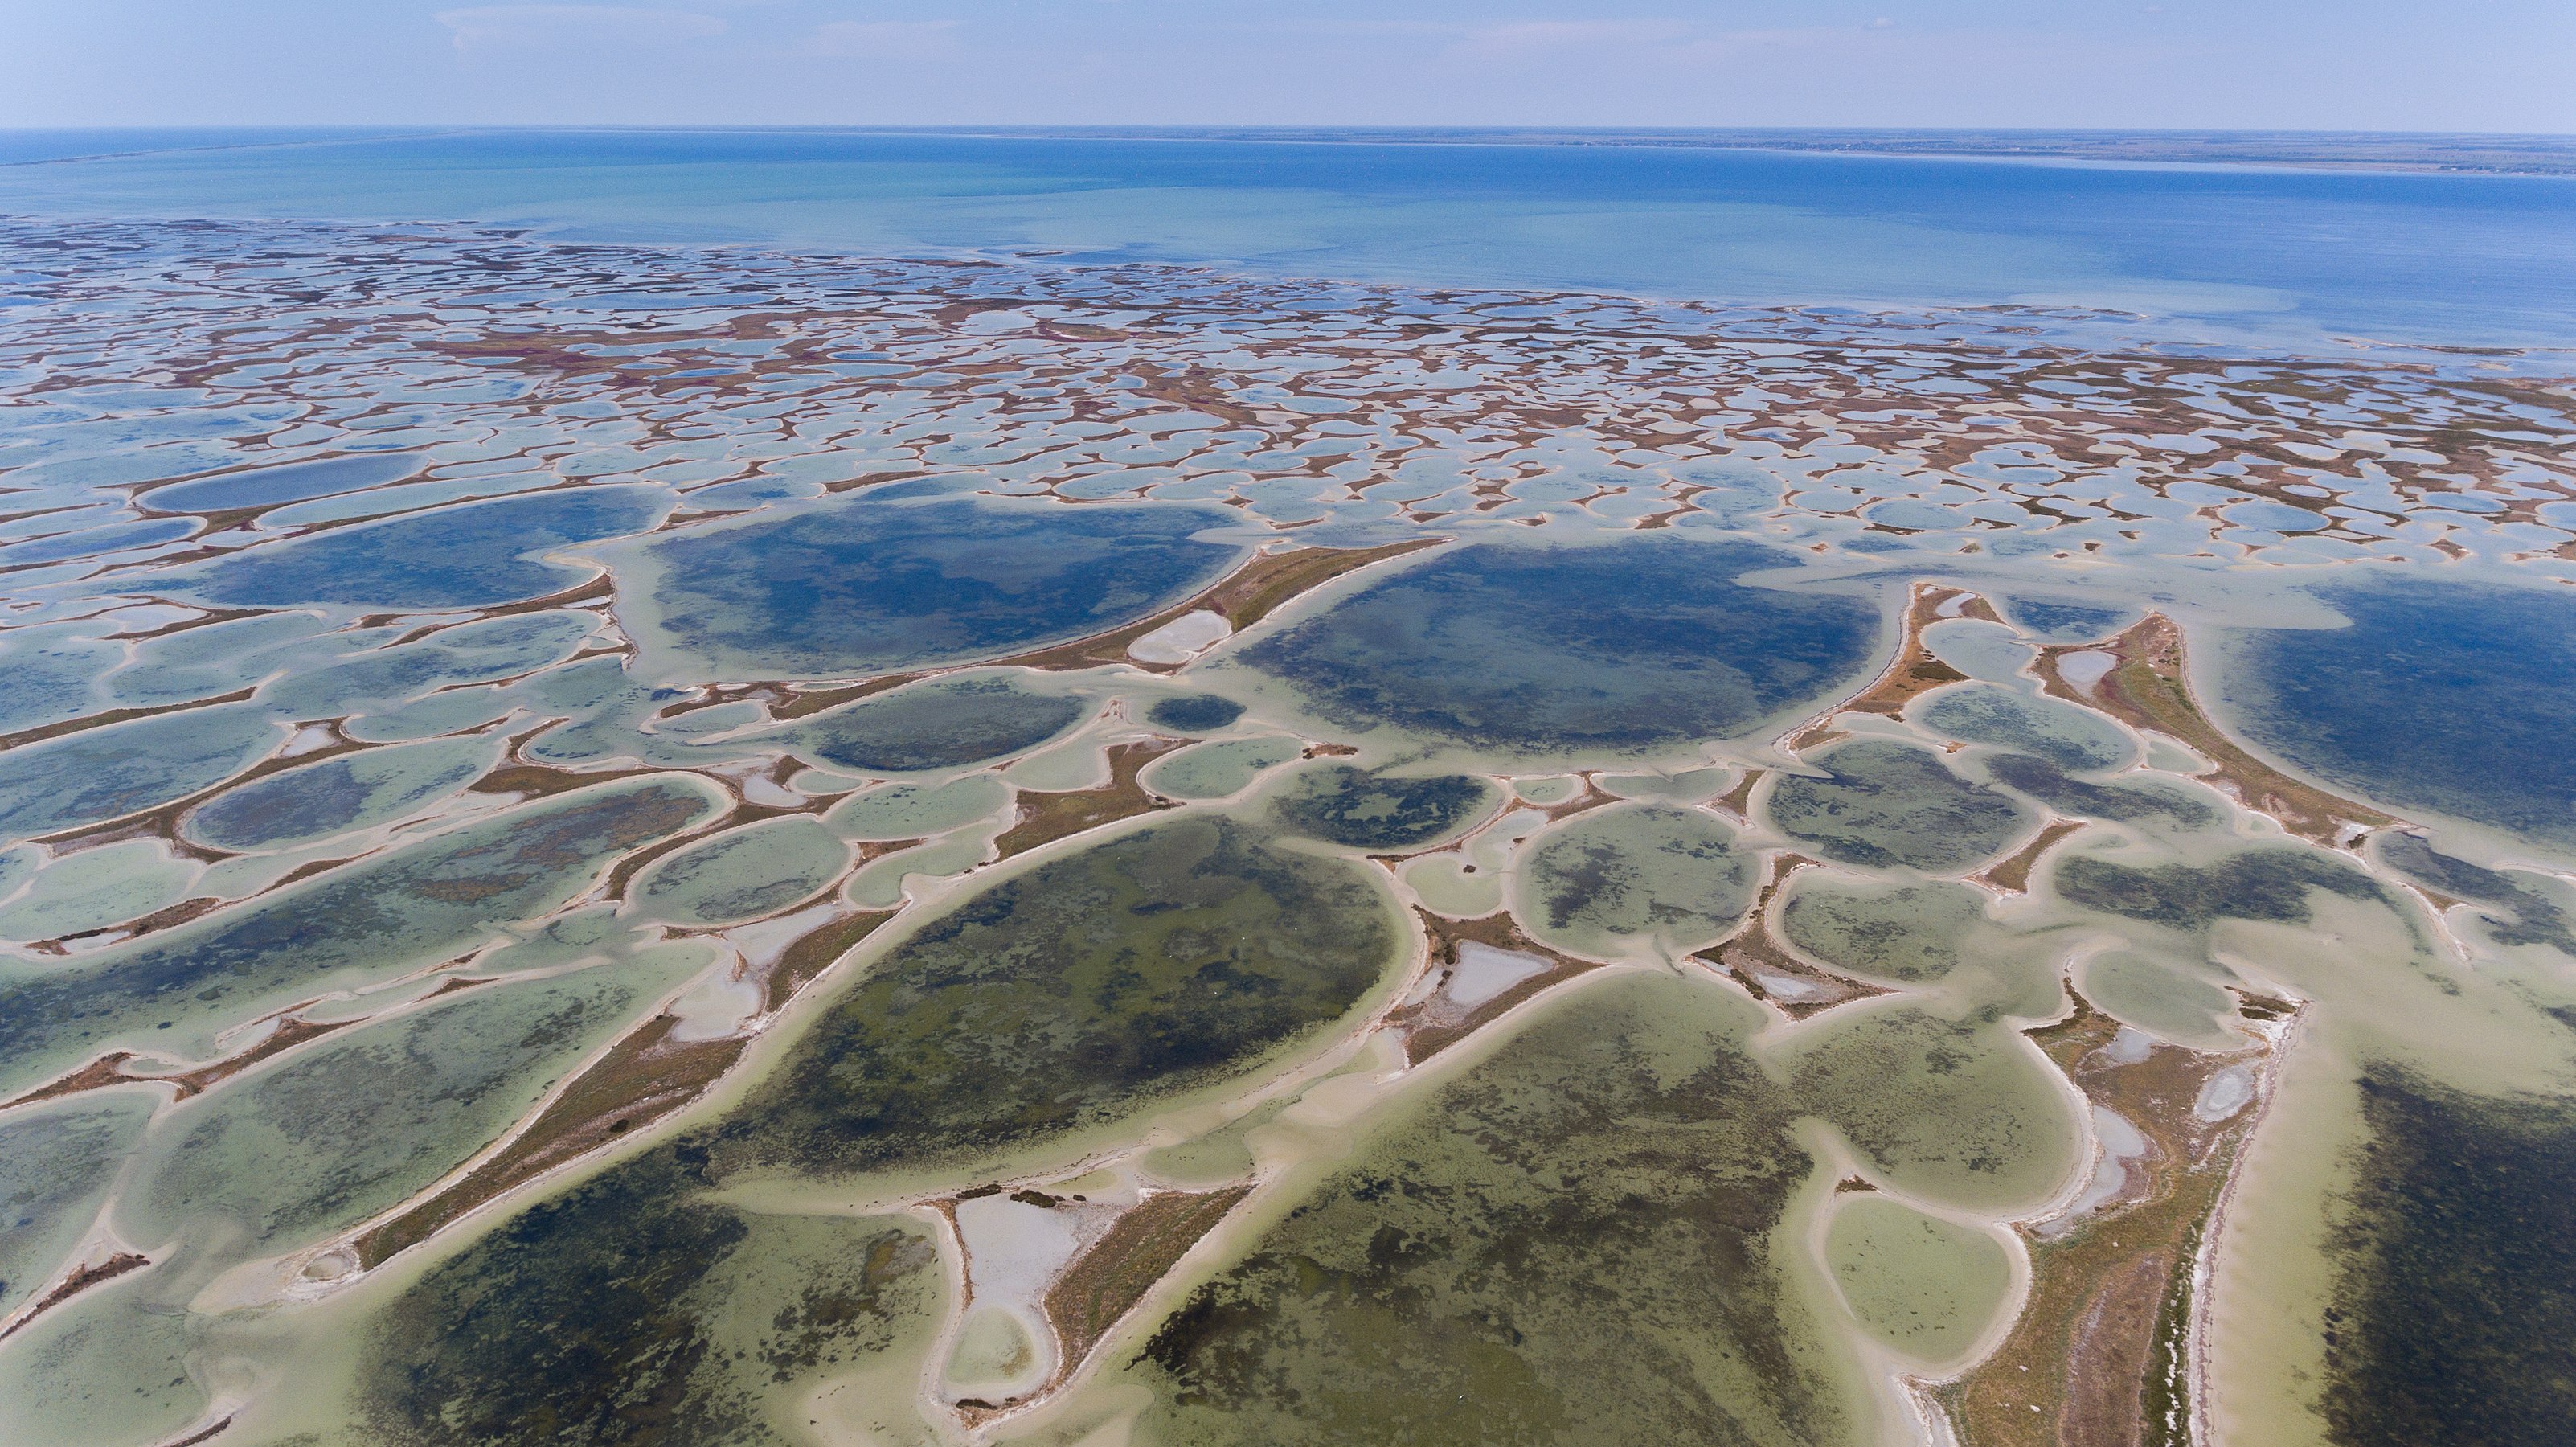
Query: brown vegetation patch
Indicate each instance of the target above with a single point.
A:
(2012, 876)
(2098, 1350)
(78, 1282)
(1105, 1282)
(643, 1078)
(1912, 672)
(1046, 818)
(2148, 688)
(1432, 1025)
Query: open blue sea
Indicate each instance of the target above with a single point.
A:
(2230, 254)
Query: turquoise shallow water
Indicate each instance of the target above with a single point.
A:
(2215, 253)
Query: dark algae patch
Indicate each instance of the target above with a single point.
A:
(1882, 803)
(631, 1311)
(1570, 1243)
(2258, 884)
(471, 556)
(1631, 646)
(873, 586)
(414, 906)
(2045, 780)
(1161, 961)
(2536, 918)
(943, 724)
(2453, 696)
(1194, 713)
(1373, 811)
(2453, 1316)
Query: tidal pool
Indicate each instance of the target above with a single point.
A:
(866, 585)
(284, 482)
(1523, 1256)
(2125, 801)
(314, 801)
(1221, 768)
(2447, 695)
(98, 774)
(359, 1122)
(1883, 803)
(1624, 647)
(1957, 1112)
(172, 992)
(1652, 874)
(741, 874)
(632, 1309)
(1194, 713)
(2255, 884)
(945, 723)
(1377, 811)
(1162, 961)
(56, 1163)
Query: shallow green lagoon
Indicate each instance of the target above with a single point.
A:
(56, 1162)
(1922, 1286)
(359, 1122)
(742, 874)
(1958, 1112)
(1220, 768)
(630, 1309)
(1985, 713)
(1907, 934)
(1652, 875)
(1634, 646)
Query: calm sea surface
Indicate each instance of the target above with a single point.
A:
(2222, 253)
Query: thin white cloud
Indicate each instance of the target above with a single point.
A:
(881, 39)
(532, 27)
(1533, 37)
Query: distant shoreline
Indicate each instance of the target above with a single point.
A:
(2395, 152)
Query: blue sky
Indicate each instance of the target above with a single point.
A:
(2318, 64)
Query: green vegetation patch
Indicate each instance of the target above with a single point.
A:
(1883, 803)
(1158, 962)
(1574, 1242)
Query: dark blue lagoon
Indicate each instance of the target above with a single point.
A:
(473, 556)
(2454, 696)
(867, 586)
(1630, 646)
